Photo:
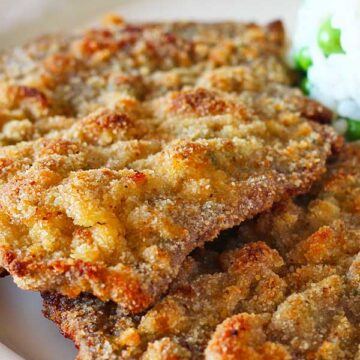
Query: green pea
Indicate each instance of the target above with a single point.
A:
(329, 39)
(305, 86)
(303, 59)
(353, 130)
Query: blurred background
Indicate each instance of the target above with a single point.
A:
(21, 20)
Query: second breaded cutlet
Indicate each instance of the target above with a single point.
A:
(248, 302)
(179, 326)
(319, 238)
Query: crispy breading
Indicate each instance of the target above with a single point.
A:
(319, 239)
(115, 185)
(304, 304)
(20, 119)
(242, 337)
(113, 206)
(312, 324)
(180, 325)
(51, 82)
(25, 112)
(322, 226)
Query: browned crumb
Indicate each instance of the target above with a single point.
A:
(319, 239)
(51, 82)
(303, 305)
(115, 185)
(26, 115)
(114, 205)
(179, 326)
(241, 337)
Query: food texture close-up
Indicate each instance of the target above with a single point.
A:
(180, 186)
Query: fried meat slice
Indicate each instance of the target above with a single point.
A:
(142, 48)
(52, 82)
(304, 304)
(312, 324)
(319, 239)
(179, 326)
(243, 336)
(114, 206)
(27, 113)
(320, 227)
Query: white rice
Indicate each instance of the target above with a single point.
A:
(333, 80)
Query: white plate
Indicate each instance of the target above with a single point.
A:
(22, 327)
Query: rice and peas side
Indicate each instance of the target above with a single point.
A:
(326, 50)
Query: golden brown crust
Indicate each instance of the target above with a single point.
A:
(51, 82)
(318, 237)
(27, 113)
(75, 216)
(113, 190)
(183, 321)
(242, 337)
(303, 305)
(119, 179)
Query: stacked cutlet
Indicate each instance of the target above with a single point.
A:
(126, 148)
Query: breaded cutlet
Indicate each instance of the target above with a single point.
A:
(114, 188)
(248, 301)
(26, 115)
(319, 239)
(51, 82)
(46, 85)
(114, 206)
(179, 326)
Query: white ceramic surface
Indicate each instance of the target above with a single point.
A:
(22, 327)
